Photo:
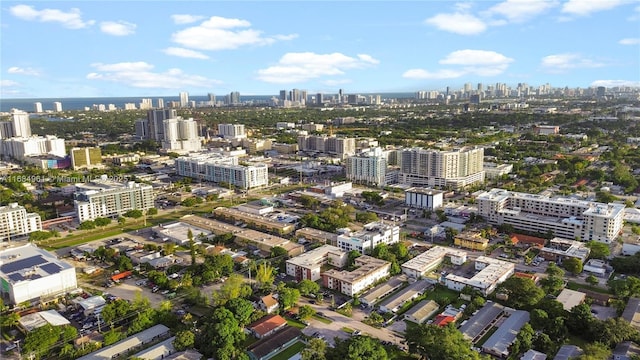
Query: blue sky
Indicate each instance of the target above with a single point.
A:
(144, 48)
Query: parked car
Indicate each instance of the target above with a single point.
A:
(10, 347)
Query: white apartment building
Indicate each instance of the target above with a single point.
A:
(307, 266)
(21, 124)
(365, 240)
(456, 169)
(368, 167)
(431, 259)
(368, 272)
(37, 107)
(491, 273)
(231, 131)
(57, 106)
(20, 148)
(181, 135)
(15, 222)
(105, 198)
(217, 168)
(29, 273)
(566, 218)
(184, 99)
(423, 198)
(493, 170)
(341, 147)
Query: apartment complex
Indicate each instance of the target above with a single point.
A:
(341, 147)
(369, 271)
(491, 273)
(106, 198)
(153, 126)
(471, 240)
(431, 259)
(308, 266)
(565, 218)
(454, 168)
(86, 158)
(218, 168)
(315, 235)
(423, 198)
(254, 220)
(21, 148)
(181, 135)
(368, 167)
(28, 273)
(231, 131)
(371, 235)
(16, 222)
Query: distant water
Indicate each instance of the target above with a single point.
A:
(80, 103)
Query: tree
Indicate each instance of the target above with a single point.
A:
(625, 288)
(357, 348)
(152, 211)
(309, 202)
(592, 280)
(278, 251)
(192, 247)
(573, 265)
(242, 309)
(522, 292)
(315, 350)
(524, 340)
(366, 217)
(184, 340)
(265, 275)
(122, 220)
(288, 297)
(136, 214)
(87, 225)
(306, 311)
(554, 270)
(595, 351)
(351, 258)
(112, 336)
(438, 343)
(307, 287)
(599, 250)
(539, 319)
(102, 222)
(233, 288)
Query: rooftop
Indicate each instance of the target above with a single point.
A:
(493, 270)
(499, 342)
(475, 326)
(124, 346)
(431, 258)
(395, 301)
(570, 298)
(28, 262)
(366, 265)
(274, 342)
(424, 309)
(315, 257)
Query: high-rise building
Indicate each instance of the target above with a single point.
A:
(86, 158)
(105, 198)
(21, 123)
(142, 129)
(342, 147)
(303, 96)
(212, 99)
(146, 104)
(231, 131)
(184, 99)
(601, 91)
(368, 167)
(57, 106)
(37, 107)
(455, 168)
(234, 98)
(283, 95)
(16, 222)
(155, 122)
(160, 103)
(218, 168)
(21, 148)
(181, 135)
(319, 98)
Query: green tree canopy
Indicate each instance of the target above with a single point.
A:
(357, 348)
(522, 292)
(433, 342)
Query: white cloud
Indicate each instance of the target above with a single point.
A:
(421, 74)
(118, 28)
(301, 67)
(629, 41)
(140, 75)
(586, 7)
(23, 71)
(8, 83)
(521, 10)
(467, 62)
(218, 33)
(185, 53)
(458, 23)
(185, 18)
(559, 63)
(614, 83)
(71, 19)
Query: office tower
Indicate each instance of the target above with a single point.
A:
(160, 103)
(600, 91)
(57, 106)
(86, 158)
(283, 95)
(155, 123)
(212, 99)
(319, 99)
(184, 99)
(455, 168)
(21, 124)
(303, 96)
(340, 96)
(37, 107)
(231, 131)
(295, 95)
(368, 167)
(234, 98)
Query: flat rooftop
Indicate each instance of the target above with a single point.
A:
(317, 234)
(424, 191)
(180, 231)
(431, 258)
(28, 262)
(366, 265)
(423, 309)
(124, 346)
(494, 269)
(570, 298)
(405, 294)
(385, 288)
(315, 257)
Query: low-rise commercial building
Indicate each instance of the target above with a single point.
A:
(28, 273)
(570, 298)
(422, 311)
(266, 242)
(307, 266)
(178, 233)
(254, 221)
(492, 272)
(471, 240)
(367, 239)
(559, 249)
(395, 302)
(369, 271)
(423, 198)
(431, 259)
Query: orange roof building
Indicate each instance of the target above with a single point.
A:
(267, 325)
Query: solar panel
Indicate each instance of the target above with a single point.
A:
(35, 276)
(16, 277)
(51, 268)
(22, 264)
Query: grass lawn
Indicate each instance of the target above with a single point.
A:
(575, 286)
(290, 351)
(322, 319)
(248, 341)
(440, 293)
(295, 323)
(347, 330)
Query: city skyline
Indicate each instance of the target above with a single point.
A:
(363, 47)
